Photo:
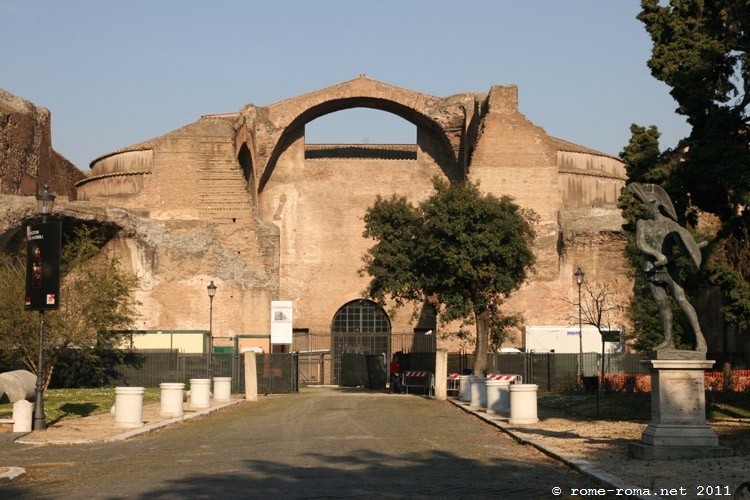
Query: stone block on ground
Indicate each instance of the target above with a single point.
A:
(18, 385)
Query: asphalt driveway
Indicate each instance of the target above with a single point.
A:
(321, 443)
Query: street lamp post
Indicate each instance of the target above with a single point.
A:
(211, 292)
(45, 201)
(579, 280)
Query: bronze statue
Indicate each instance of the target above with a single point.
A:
(662, 239)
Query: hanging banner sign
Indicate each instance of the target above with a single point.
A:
(43, 242)
(281, 322)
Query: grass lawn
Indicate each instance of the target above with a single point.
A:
(728, 405)
(637, 406)
(62, 403)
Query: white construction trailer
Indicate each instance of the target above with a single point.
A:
(566, 339)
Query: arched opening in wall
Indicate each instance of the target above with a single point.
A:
(360, 328)
(246, 164)
(361, 133)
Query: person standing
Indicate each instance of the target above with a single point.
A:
(395, 371)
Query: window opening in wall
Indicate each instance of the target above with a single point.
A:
(361, 133)
(246, 163)
(361, 316)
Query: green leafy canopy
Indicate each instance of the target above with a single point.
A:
(462, 250)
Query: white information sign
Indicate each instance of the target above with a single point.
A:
(281, 322)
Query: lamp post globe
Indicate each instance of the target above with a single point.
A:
(45, 201)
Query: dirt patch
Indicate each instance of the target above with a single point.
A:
(604, 444)
(98, 427)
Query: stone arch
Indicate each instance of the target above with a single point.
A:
(245, 160)
(445, 120)
(113, 224)
(21, 210)
(361, 316)
(359, 328)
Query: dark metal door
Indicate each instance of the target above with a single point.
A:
(359, 327)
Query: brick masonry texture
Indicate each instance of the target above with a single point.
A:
(232, 198)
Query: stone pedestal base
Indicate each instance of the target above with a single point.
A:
(669, 442)
(648, 452)
(678, 426)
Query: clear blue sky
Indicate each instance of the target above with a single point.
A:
(114, 73)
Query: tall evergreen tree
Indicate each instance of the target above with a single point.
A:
(701, 50)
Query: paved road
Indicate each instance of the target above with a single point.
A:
(322, 443)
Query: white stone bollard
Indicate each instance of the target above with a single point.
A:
(172, 397)
(129, 406)
(441, 374)
(478, 392)
(523, 406)
(498, 397)
(222, 388)
(251, 377)
(200, 393)
(504, 403)
(464, 387)
(22, 416)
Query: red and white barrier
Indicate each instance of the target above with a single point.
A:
(423, 379)
(512, 378)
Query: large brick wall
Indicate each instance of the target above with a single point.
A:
(27, 160)
(319, 205)
(231, 198)
(199, 225)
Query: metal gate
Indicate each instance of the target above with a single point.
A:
(278, 373)
(359, 327)
(357, 343)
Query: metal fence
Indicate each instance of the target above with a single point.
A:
(551, 371)
(280, 373)
(277, 373)
(321, 354)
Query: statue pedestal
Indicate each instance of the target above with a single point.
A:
(678, 426)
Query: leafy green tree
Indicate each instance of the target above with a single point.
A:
(464, 251)
(96, 299)
(701, 51)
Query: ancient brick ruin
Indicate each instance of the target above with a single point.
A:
(241, 199)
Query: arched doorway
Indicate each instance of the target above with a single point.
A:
(359, 328)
